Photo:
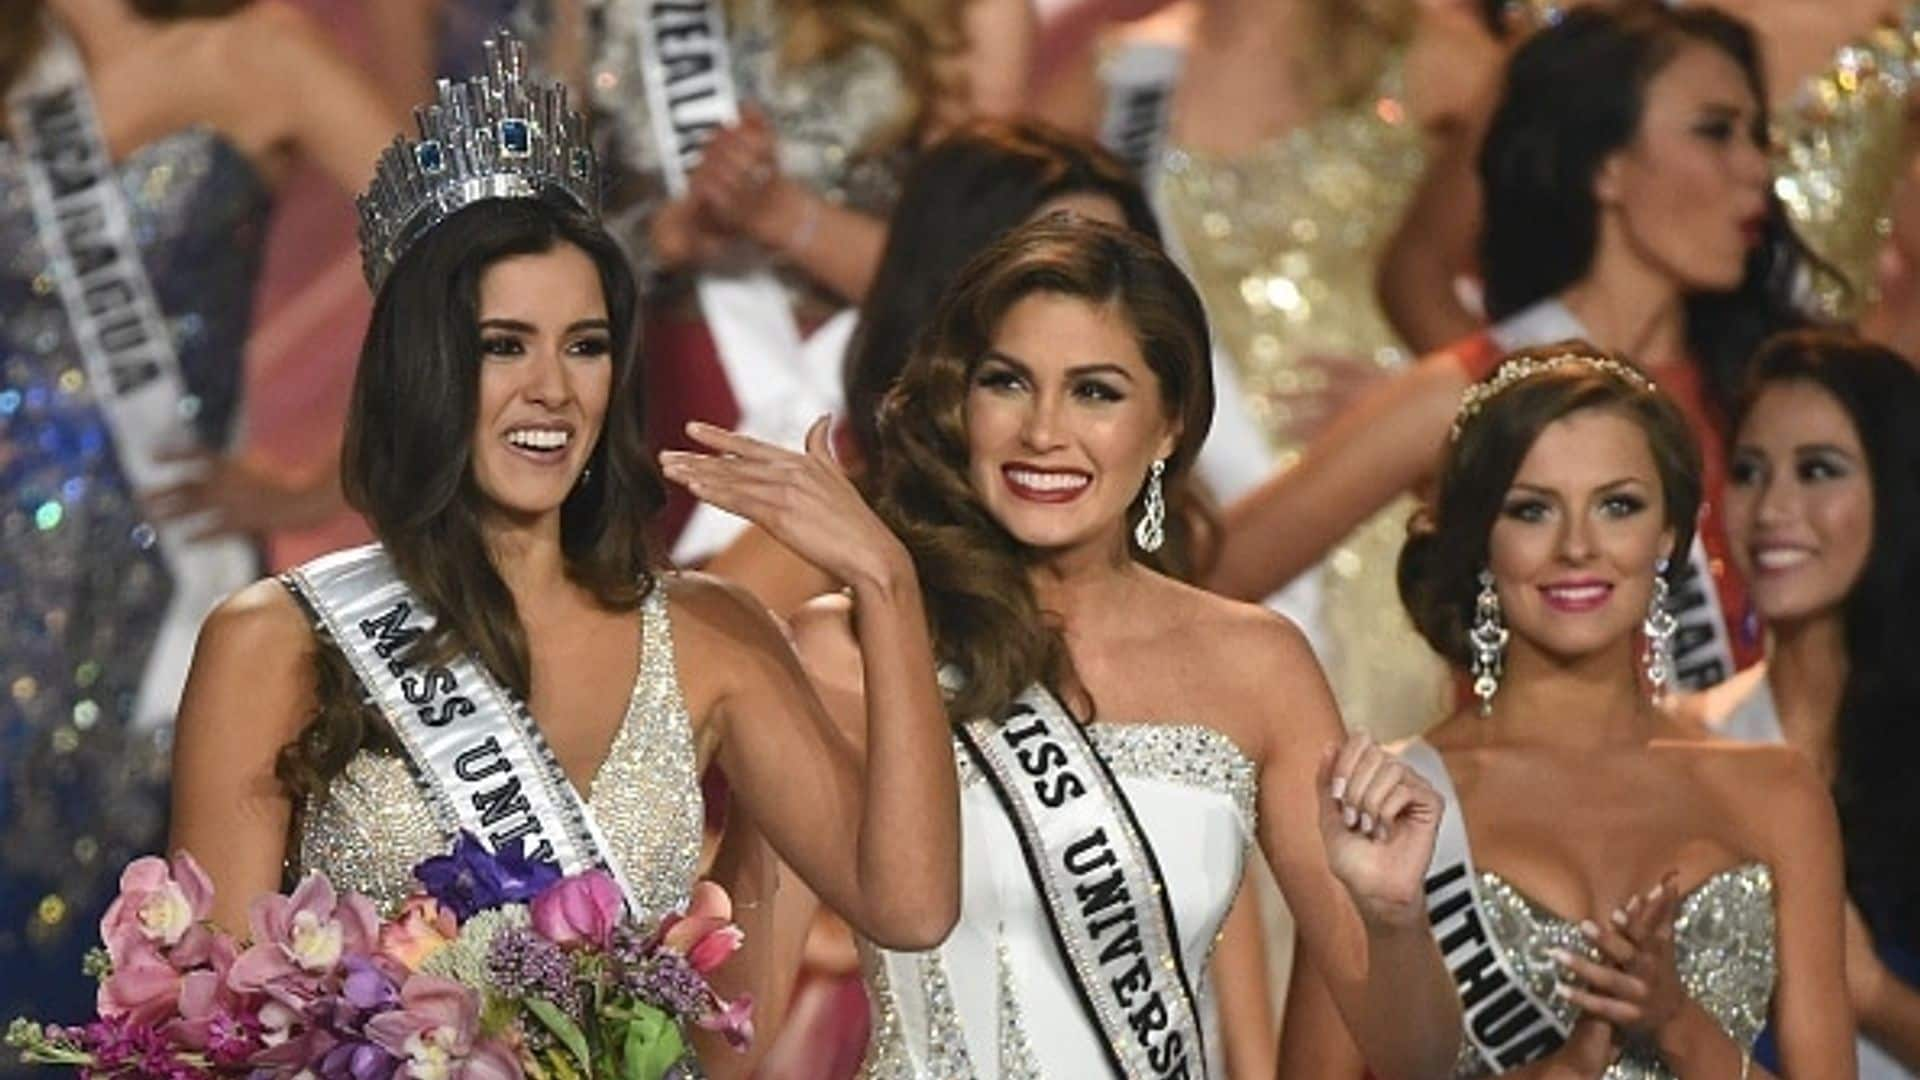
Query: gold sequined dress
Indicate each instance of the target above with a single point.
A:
(1283, 244)
(995, 1001)
(373, 825)
(1843, 143)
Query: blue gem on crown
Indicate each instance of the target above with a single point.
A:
(494, 136)
(516, 138)
(431, 157)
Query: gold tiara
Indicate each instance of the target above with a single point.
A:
(1521, 368)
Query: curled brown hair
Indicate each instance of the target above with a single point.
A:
(405, 463)
(1447, 542)
(986, 620)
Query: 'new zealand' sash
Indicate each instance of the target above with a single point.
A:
(780, 384)
(85, 225)
(1505, 1022)
(475, 752)
(1702, 643)
(1105, 899)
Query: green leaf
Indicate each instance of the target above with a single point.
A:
(563, 1028)
(652, 1046)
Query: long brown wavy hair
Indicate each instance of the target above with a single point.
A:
(406, 466)
(986, 620)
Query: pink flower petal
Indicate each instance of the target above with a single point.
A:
(712, 951)
(194, 883)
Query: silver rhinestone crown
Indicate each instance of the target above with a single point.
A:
(1523, 368)
(494, 136)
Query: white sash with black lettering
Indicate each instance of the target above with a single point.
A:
(1104, 895)
(1703, 646)
(1505, 1022)
(780, 384)
(1140, 77)
(475, 752)
(85, 226)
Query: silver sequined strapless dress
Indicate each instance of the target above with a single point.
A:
(1723, 948)
(83, 586)
(373, 826)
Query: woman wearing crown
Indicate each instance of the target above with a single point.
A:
(141, 144)
(508, 659)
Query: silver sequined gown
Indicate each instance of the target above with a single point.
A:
(995, 1000)
(1723, 949)
(82, 584)
(373, 826)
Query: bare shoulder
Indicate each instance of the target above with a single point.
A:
(824, 636)
(262, 621)
(1772, 792)
(1236, 632)
(251, 677)
(714, 613)
(1254, 667)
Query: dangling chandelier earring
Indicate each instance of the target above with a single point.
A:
(1151, 531)
(1488, 637)
(1659, 629)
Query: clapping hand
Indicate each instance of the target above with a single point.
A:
(804, 500)
(1378, 820)
(1637, 987)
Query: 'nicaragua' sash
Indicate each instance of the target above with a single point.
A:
(1702, 643)
(780, 385)
(85, 225)
(1505, 1022)
(1104, 895)
(475, 752)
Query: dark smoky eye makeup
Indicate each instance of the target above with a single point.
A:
(1746, 468)
(1822, 465)
(497, 343)
(1524, 508)
(1099, 390)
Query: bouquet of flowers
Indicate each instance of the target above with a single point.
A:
(499, 968)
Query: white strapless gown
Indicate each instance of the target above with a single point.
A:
(996, 1000)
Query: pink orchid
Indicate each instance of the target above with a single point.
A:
(435, 1034)
(144, 988)
(705, 934)
(301, 937)
(579, 910)
(158, 905)
(422, 929)
(205, 997)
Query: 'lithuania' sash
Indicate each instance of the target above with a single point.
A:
(1505, 1022)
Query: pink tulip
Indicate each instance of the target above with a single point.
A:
(579, 910)
(705, 934)
(422, 929)
(158, 905)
